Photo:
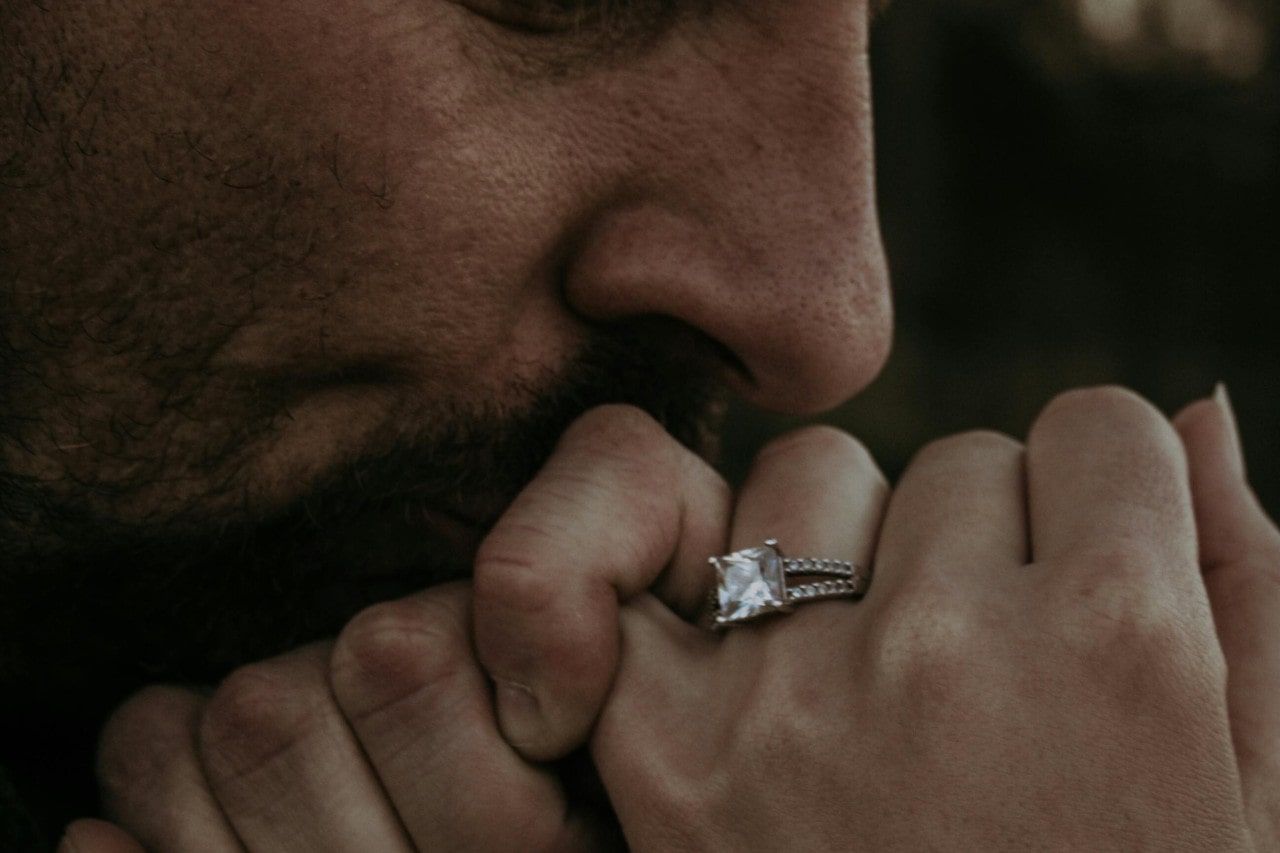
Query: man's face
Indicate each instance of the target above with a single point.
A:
(294, 296)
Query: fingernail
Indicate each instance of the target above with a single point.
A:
(1223, 399)
(518, 711)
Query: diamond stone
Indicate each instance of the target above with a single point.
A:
(749, 583)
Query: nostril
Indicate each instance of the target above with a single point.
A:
(648, 268)
(677, 375)
(679, 352)
(793, 323)
(739, 374)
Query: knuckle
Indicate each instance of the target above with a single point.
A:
(637, 447)
(1110, 588)
(258, 714)
(980, 444)
(953, 471)
(1252, 578)
(1118, 614)
(944, 466)
(826, 445)
(716, 489)
(507, 579)
(529, 625)
(526, 624)
(391, 652)
(614, 426)
(614, 453)
(1097, 399)
(925, 646)
(1116, 409)
(1120, 584)
(142, 738)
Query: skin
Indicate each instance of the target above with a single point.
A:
(1047, 621)
(370, 296)
(309, 339)
(510, 198)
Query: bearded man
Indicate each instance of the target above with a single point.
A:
(361, 364)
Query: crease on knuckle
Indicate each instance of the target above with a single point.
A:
(514, 589)
(255, 718)
(509, 580)
(391, 653)
(530, 625)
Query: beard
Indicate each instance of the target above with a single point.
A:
(188, 598)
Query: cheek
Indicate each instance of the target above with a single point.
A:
(395, 209)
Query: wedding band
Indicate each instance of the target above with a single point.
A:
(756, 581)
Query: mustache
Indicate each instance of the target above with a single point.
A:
(190, 598)
(478, 461)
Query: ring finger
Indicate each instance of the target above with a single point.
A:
(818, 492)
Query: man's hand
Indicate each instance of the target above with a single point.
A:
(387, 739)
(1035, 665)
(382, 741)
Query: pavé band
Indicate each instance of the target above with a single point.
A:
(757, 581)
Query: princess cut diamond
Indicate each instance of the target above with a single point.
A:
(749, 583)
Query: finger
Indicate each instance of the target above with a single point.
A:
(285, 768)
(816, 487)
(820, 494)
(1232, 525)
(152, 783)
(407, 680)
(667, 668)
(1106, 475)
(618, 504)
(97, 836)
(1240, 558)
(957, 519)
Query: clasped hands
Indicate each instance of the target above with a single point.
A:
(1069, 644)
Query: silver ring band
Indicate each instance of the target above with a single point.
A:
(805, 566)
(758, 581)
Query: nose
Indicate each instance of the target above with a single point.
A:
(746, 208)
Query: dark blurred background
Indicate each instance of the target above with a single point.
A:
(1073, 192)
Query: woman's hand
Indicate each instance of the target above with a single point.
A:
(1035, 665)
